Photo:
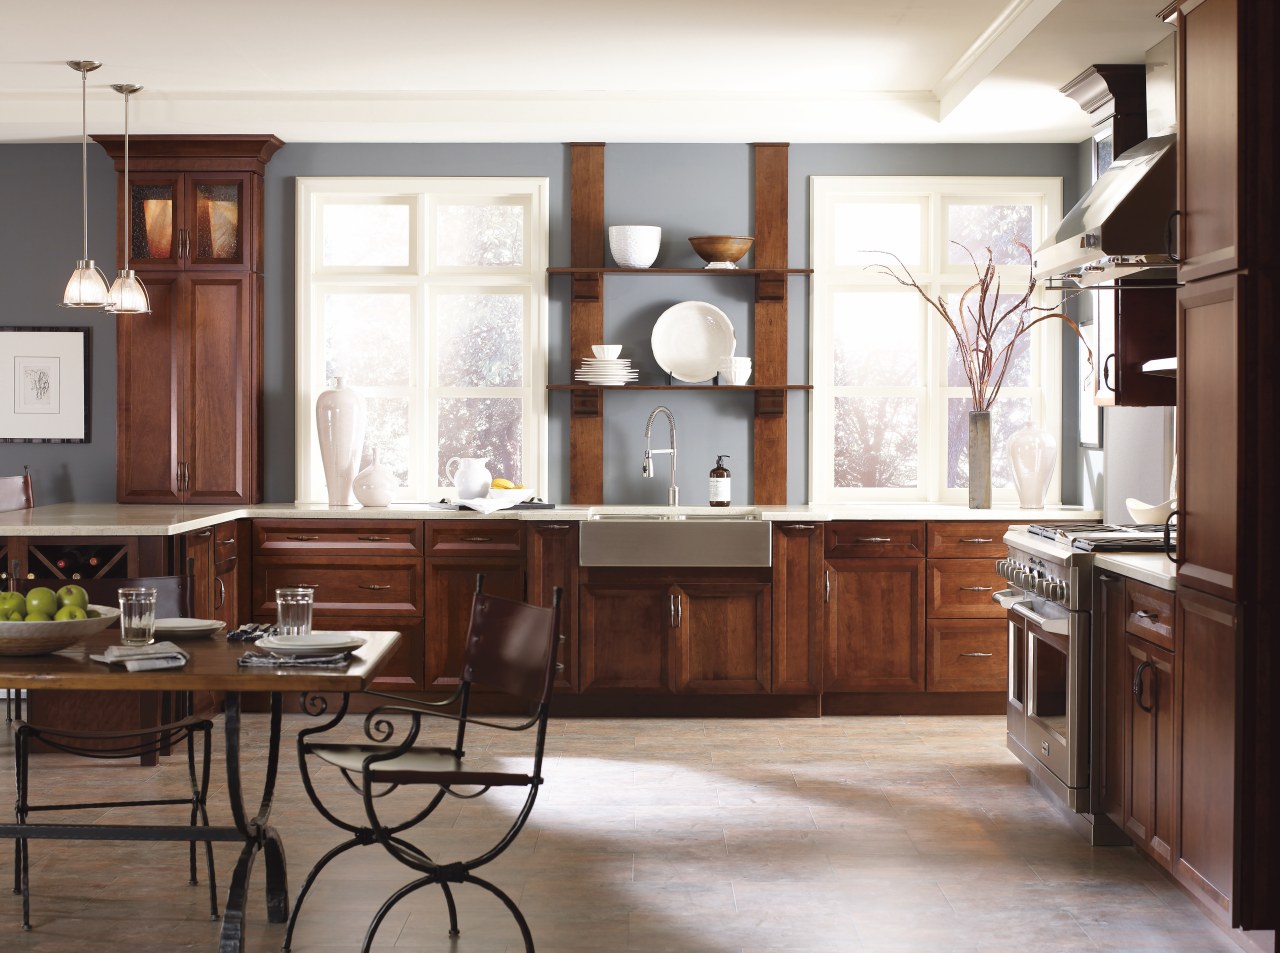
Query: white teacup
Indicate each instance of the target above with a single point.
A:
(736, 370)
(606, 352)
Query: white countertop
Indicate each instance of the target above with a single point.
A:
(1156, 569)
(116, 519)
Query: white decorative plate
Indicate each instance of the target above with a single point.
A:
(317, 643)
(691, 338)
(187, 628)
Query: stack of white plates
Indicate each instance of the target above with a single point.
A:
(606, 371)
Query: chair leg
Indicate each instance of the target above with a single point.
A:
(511, 907)
(453, 909)
(306, 887)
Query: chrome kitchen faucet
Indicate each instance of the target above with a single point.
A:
(673, 494)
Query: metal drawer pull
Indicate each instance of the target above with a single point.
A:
(801, 526)
(1137, 686)
(975, 655)
(202, 534)
(226, 542)
(221, 599)
(975, 588)
(1147, 614)
(375, 586)
(307, 585)
(976, 539)
(374, 539)
(874, 539)
(477, 539)
(555, 525)
(303, 539)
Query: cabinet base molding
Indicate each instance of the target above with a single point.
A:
(917, 703)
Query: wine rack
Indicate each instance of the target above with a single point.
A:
(77, 560)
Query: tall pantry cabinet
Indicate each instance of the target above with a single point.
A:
(189, 374)
(1227, 828)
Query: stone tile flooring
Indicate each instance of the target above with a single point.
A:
(832, 835)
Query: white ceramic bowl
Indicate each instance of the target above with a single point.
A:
(606, 352)
(736, 374)
(1149, 512)
(37, 638)
(634, 246)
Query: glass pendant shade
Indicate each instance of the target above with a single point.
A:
(128, 295)
(87, 287)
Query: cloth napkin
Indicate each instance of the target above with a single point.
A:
(258, 660)
(143, 658)
(487, 505)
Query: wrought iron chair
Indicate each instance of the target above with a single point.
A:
(15, 494)
(173, 598)
(511, 648)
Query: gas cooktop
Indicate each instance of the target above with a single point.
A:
(1106, 537)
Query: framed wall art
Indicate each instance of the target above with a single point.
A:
(44, 385)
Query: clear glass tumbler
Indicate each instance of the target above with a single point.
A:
(293, 607)
(137, 616)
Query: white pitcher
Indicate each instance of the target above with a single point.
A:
(470, 476)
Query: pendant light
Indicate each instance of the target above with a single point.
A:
(87, 287)
(128, 295)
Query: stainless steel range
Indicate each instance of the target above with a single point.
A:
(1052, 675)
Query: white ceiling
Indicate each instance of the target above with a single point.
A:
(569, 70)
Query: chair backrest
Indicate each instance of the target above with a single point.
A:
(16, 492)
(511, 646)
(174, 594)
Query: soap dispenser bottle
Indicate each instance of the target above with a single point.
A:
(719, 491)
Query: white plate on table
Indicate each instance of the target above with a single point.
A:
(172, 629)
(691, 338)
(317, 643)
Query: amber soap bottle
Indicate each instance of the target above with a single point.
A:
(719, 490)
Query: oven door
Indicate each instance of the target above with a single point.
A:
(1057, 692)
(1016, 697)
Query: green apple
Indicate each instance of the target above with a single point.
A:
(14, 616)
(67, 613)
(92, 613)
(11, 602)
(42, 600)
(72, 595)
(38, 617)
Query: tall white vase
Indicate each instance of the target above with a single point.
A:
(1033, 454)
(340, 429)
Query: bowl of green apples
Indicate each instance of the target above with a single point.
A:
(43, 620)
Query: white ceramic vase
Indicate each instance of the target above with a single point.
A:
(375, 485)
(340, 430)
(1033, 453)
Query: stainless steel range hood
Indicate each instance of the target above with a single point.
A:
(1124, 223)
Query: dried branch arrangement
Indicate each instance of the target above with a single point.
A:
(980, 317)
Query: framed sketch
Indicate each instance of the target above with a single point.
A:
(44, 385)
(1090, 414)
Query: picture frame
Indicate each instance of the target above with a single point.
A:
(1090, 415)
(44, 385)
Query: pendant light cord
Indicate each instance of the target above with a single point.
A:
(128, 194)
(84, 163)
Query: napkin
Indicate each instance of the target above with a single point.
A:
(489, 505)
(142, 658)
(258, 660)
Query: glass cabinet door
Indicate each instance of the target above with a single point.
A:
(156, 225)
(216, 215)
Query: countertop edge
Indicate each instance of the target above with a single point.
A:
(1155, 569)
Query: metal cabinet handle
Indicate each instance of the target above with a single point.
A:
(374, 539)
(477, 539)
(874, 539)
(202, 533)
(673, 610)
(221, 588)
(1147, 614)
(805, 526)
(554, 526)
(1137, 686)
(826, 581)
(976, 539)
(302, 539)
(1169, 549)
(975, 588)
(226, 542)
(975, 655)
(679, 610)
(375, 587)
(307, 585)
(1106, 373)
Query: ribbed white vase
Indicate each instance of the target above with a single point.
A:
(340, 429)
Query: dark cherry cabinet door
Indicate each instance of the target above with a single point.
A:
(450, 586)
(1117, 686)
(723, 638)
(627, 636)
(553, 562)
(798, 616)
(1150, 787)
(875, 625)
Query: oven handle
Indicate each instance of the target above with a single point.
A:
(1007, 598)
(1053, 626)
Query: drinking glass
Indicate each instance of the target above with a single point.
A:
(137, 616)
(293, 619)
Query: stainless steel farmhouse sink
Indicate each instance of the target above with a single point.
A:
(674, 539)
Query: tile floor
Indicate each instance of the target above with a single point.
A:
(833, 835)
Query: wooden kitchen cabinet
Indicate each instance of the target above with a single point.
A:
(1150, 788)
(798, 611)
(875, 625)
(661, 631)
(189, 374)
(553, 562)
(966, 637)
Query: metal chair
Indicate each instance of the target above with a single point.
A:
(173, 599)
(511, 648)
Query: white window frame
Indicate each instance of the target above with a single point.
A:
(423, 279)
(935, 274)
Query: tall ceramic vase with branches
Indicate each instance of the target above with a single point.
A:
(986, 331)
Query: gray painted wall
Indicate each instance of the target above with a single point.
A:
(688, 189)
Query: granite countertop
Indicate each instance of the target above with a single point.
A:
(1155, 569)
(116, 519)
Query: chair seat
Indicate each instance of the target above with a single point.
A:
(417, 766)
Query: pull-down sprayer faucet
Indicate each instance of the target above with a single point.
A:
(673, 494)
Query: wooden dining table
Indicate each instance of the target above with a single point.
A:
(213, 666)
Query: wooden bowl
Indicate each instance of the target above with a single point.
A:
(721, 249)
(37, 638)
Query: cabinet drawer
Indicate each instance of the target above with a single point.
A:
(385, 587)
(474, 537)
(961, 589)
(1149, 613)
(225, 543)
(847, 538)
(967, 655)
(967, 540)
(338, 537)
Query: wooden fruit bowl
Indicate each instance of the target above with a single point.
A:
(721, 250)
